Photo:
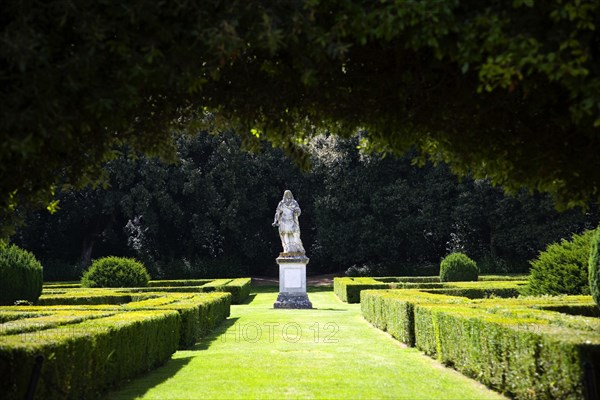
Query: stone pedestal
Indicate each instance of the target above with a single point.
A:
(292, 281)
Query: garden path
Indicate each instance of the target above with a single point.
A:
(327, 352)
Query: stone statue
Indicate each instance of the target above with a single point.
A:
(286, 218)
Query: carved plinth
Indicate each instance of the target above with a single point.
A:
(292, 281)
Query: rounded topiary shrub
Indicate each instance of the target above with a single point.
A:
(594, 267)
(115, 272)
(562, 268)
(458, 267)
(21, 275)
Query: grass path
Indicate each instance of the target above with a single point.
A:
(327, 352)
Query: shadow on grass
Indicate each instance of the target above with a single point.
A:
(319, 289)
(213, 336)
(248, 299)
(331, 309)
(138, 387)
(264, 289)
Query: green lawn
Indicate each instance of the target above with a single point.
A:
(327, 352)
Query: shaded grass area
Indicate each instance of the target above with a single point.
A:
(327, 352)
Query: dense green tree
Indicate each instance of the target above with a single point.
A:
(504, 232)
(371, 211)
(507, 90)
(388, 215)
(210, 214)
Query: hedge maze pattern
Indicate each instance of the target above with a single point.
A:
(527, 348)
(91, 339)
(348, 289)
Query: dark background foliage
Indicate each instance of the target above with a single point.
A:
(209, 214)
(504, 90)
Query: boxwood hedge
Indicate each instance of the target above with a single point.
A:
(239, 288)
(348, 289)
(511, 345)
(83, 360)
(89, 348)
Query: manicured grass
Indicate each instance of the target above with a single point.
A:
(327, 352)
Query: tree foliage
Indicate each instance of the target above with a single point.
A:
(210, 214)
(508, 91)
(387, 215)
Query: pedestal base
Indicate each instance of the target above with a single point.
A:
(292, 281)
(293, 300)
(292, 273)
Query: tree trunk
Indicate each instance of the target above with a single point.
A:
(86, 250)
(92, 234)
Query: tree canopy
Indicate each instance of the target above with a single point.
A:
(506, 91)
(210, 214)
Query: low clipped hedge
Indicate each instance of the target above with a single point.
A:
(80, 296)
(513, 352)
(394, 313)
(239, 288)
(84, 360)
(74, 294)
(115, 272)
(410, 279)
(506, 344)
(481, 290)
(504, 277)
(178, 282)
(89, 348)
(199, 313)
(33, 324)
(570, 305)
(348, 289)
(458, 267)
(21, 275)
(62, 285)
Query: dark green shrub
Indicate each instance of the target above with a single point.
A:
(116, 272)
(458, 267)
(20, 275)
(562, 268)
(594, 267)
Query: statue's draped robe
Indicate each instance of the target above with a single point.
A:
(287, 214)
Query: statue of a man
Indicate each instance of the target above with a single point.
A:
(286, 218)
